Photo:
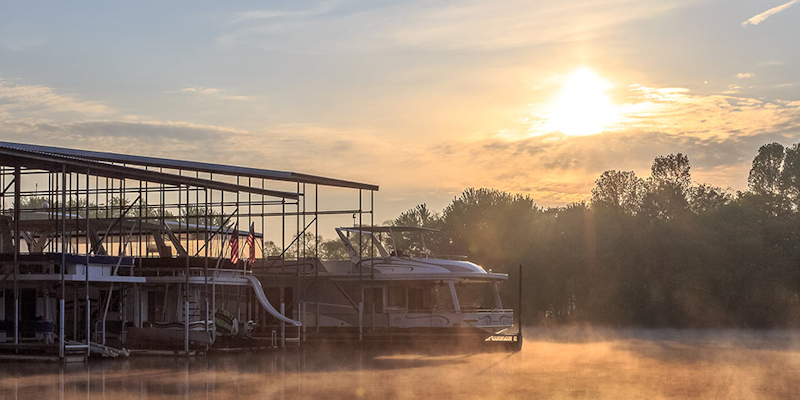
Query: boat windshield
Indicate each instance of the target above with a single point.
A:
(387, 240)
(407, 242)
(477, 295)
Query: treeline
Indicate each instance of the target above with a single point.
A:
(660, 251)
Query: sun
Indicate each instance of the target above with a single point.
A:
(582, 107)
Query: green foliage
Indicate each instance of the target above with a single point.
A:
(620, 191)
(765, 176)
(790, 174)
(415, 243)
(660, 252)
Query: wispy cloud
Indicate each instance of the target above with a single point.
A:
(481, 25)
(745, 75)
(30, 100)
(202, 90)
(733, 88)
(252, 15)
(259, 22)
(217, 93)
(770, 63)
(766, 14)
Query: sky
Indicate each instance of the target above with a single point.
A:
(423, 98)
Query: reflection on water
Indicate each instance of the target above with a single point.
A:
(553, 364)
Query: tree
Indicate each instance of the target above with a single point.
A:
(412, 242)
(271, 249)
(620, 191)
(790, 174)
(420, 215)
(198, 216)
(333, 249)
(703, 197)
(672, 171)
(489, 225)
(765, 175)
(667, 186)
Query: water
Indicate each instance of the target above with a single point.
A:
(553, 364)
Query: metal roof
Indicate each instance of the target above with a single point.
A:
(12, 156)
(192, 165)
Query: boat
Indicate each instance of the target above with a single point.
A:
(382, 293)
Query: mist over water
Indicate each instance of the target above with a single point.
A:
(555, 363)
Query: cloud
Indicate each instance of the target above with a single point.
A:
(766, 14)
(255, 15)
(121, 136)
(343, 154)
(202, 90)
(479, 25)
(720, 133)
(733, 88)
(770, 63)
(257, 22)
(31, 100)
(215, 93)
(39, 114)
(745, 75)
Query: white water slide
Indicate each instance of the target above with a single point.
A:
(262, 298)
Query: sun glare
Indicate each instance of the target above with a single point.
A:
(582, 107)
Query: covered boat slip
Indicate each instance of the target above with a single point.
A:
(374, 309)
(103, 250)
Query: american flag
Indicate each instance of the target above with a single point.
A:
(234, 244)
(251, 241)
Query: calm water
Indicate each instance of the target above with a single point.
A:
(553, 364)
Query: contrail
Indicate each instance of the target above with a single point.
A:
(766, 14)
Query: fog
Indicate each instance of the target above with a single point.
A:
(557, 363)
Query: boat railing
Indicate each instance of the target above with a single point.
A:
(487, 310)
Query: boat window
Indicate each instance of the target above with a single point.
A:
(442, 299)
(416, 299)
(405, 244)
(369, 246)
(397, 296)
(475, 296)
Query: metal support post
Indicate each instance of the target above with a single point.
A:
(17, 213)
